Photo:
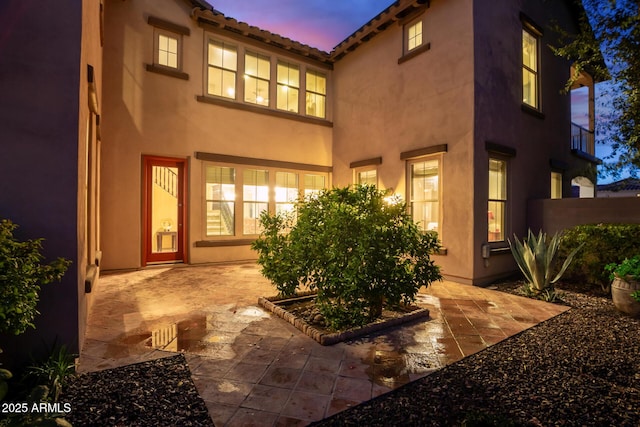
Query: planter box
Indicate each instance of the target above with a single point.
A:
(278, 307)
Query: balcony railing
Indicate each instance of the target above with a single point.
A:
(582, 140)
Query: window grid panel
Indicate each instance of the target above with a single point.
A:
(286, 191)
(220, 201)
(424, 194)
(288, 80)
(255, 194)
(257, 73)
(529, 69)
(167, 51)
(316, 94)
(222, 67)
(369, 177)
(414, 36)
(497, 200)
(313, 184)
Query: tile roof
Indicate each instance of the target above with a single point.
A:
(627, 184)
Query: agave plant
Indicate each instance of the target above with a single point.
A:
(535, 257)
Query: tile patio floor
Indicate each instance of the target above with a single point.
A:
(253, 368)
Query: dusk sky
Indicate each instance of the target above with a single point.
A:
(319, 23)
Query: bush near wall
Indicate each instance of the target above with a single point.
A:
(603, 244)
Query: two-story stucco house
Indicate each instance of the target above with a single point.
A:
(454, 105)
(167, 128)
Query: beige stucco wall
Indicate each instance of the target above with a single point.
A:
(153, 114)
(88, 155)
(384, 108)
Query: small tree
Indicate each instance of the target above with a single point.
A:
(358, 251)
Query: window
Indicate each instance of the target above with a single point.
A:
(497, 199)
(556, 185)
(530, 76)
(257, 73)
(414, 35)
(167, 51)
(222, 67)
(255, 196)
(288, 87)
(286, 191)
(244, 192)
(167, 46)
(367, 177)
(313, 184)
(316, 94)
(220, 195)
(424, 193)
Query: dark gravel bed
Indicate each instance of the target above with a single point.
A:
(581, 368)
(156, 393)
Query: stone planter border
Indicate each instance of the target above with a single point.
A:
(274, 305)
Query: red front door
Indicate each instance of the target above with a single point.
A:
(164, 209)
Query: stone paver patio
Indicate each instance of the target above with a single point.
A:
(253, 368)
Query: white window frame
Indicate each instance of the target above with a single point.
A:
(258, 79)
(413, 41)
(209, 64)
(363, 170)
(316, 94)
(527, 31)
(157, 32)
(280, 83)
(410, 199)
(503, 230)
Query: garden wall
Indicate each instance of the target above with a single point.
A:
(559, 214)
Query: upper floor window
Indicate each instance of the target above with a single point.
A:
(167, 47)
(414, 35)
(167, 50)
(288, 87)
(497, 199)
(424, 193)
(222, 68)
(530, 67)
(257, 73)
(316, 93)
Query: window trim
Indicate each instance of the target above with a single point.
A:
(506, 223)
(531, 29)
(246, 76)
(439, 157)
(174, 31)
(324, 95)
(238, 86)
(244, 47)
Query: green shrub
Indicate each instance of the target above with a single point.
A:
(359, 252)
(536, 258)
(628, 269)
(21, 275)
(603, 244)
